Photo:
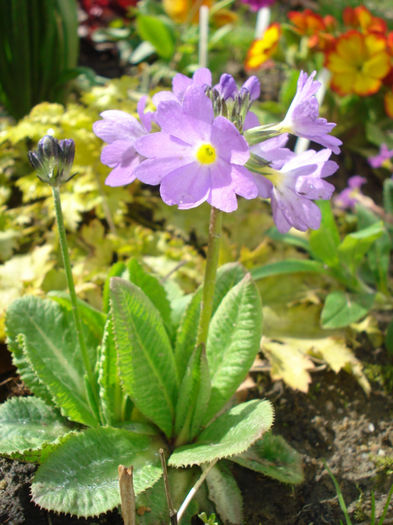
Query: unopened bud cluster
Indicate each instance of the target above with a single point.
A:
(53, 160)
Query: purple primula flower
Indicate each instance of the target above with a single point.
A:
(196, 156)
(255, 5)
(382, 159)
(302, 116)
(293, 184)
(121, 130)
(348, 197)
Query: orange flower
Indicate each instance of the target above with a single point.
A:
(358, 63)
(306, 22)
(388, 100)
(317, 28)
(361, 18)
(263, 48)
(185, 10)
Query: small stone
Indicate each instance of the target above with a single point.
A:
(3, 484)
(371, 427)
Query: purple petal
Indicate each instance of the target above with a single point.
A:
(119, 152)
(243, 182)
(226, 87)
(173, 121)
(161, 144)
(231, 145)
(198, 105)
(188, 186)
(152, 171)
(145, 118)
(253, 87)
(251, 121)
(122, 175)
(117, 125)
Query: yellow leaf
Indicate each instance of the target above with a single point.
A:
(288, 362)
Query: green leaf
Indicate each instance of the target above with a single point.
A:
(81, 476)
(324, 241)
(288, 238)
(92, 319)
(187, 332)
(28, 424)
(111, 394)
(193, 398)
(230, 434)
(228, 276)
(153, 289)
(388, 196)
(286, 267)
(116, 270)
(233, 342)
(146, 361)
(273, 457)
(341, 308)
(155, 31)
(355, 245)
(41, 334)
(225, 494)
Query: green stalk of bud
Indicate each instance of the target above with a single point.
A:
(53, 161)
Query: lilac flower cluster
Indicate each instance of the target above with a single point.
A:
(211, 147)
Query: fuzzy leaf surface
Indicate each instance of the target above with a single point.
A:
(230, 434)
(154, 290)
(29, 424)
(80, 477)
(233, 342)
(46, 345)
(272, 456)
(225, 494)
(146, 361)
(111, 395)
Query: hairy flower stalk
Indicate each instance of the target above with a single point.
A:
(53, 161)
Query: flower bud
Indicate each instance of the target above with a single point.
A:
(53, 160)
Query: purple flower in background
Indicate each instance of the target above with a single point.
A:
(196, 156)
(255, 5)
(120, 130)
(302, 116)
(293, 184)
(347, 198)
(383, 157)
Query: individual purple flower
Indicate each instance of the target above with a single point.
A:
(120, 130)
(348, 197)
(302, 116)
(293, 185)
(196, 156)
(255, 5)
(382, 159)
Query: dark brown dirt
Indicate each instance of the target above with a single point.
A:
(335, 422)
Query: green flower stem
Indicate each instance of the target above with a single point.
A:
(213, 250)
(73, 297)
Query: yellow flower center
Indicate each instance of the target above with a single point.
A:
(206, 154)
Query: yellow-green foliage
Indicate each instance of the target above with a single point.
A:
(97, 218)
